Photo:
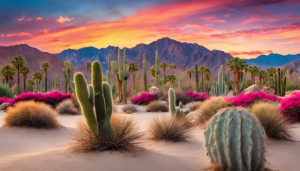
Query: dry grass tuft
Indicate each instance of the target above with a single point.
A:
(216, 167)
(275, 125)
(126, 137)
(157, 106)
(31, 114)
(168, 128)
(192, 106)
(67, 107)
(210, 107)
(129, 109)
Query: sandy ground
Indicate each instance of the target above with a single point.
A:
(30, 149)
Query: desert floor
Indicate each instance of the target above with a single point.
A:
(29, 149)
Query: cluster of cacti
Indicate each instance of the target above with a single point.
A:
(145, 74)
(36, 86)
(95, 101)
(236, 140)
(156, 69)
(69, 72)
(122, 70)
(172, 105)
(243, 81)
(55, 83)
(108, 71)
(221, 88)
(197, 79)
(280, 82)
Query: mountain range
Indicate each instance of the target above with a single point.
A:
(272, 59)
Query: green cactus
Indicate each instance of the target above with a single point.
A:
(69, 72)
(280, 82)
(145, 74)
(180, 105)
(53, 83)
(57, 82)
(221, 88)
(156, 69)
(172, 105)
(197, 78)
(236, 140)
(95, 101)
(108, 71)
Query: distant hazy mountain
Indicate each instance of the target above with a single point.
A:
(272, 59)
(184, 55)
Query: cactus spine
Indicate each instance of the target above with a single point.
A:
(172, 105)
(236, 140)
(145, 74)
(197, 78)
(95, 101)
(156, 69)
(280, 82)
(108, 71)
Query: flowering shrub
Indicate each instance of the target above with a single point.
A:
(144, 99)
(248, 99)
(197, 96)
(290, 107)
(52, 98)
(5, 100)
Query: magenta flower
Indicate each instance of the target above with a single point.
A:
(290, 107)
(144, 98)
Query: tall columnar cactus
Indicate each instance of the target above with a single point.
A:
(280, 82)
(53, 83)
(197, 78)
(145, 74)
(69, 72)
(95, 101)
(156, 69)
(221, 88)
(57, 82)
(172, 105)
(243, 81)
(236, 140)
(108, 71)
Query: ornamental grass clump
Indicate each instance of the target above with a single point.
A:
(144, 99)
(244, 100)
(276, 126)
(129, 109)
(67, 107)
(31, 114)
(157, 106)
(290, 107)
(192, 106)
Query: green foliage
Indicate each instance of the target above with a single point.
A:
(290, 86)
(6, 91)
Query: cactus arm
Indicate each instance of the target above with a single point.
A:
(172, 100)
(91, 93)
(109, 107)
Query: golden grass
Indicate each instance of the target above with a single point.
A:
(126, 137)
(128, 109)
(31, 114)
(169, 128)
(67, 107)
(209, 108)
(157, 106)
(276, 126)
(192, 106)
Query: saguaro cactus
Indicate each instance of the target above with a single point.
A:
(280, 82)
(197, 78)
(145, 74)
(172, 105)
(236, 140)
(69, 72)
(156, 69)
(95, 101)
(221, 88)
(108, 71)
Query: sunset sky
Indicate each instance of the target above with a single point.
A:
(244, 28)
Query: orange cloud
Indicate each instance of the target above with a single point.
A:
(64, 19)
(23, 16)
(251, 53)
(29, 19)
(2, 35)
(19, 34)
(39, 18)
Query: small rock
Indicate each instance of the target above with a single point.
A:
(268, 90)
(231, 94)
(154, 90)
(254, 88)
(3, 106)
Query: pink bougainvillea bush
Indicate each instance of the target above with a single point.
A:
(51, 98)
(144, 99)
(290, 107)
(197, 96)
(5, 100)
(247, 99)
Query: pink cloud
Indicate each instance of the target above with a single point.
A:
(39, 18)
(218, 21)
(29, 19)
(227, 15)
(207, 18)
(2, 35)
(64, 19)
(23, 16)
(45, 30)
(21, 34)
(251, 53)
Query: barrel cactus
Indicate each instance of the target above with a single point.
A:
(95, 101)
(236, 140)
(175, 111)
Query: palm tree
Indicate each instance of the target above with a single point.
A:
(8, 72)
(236, 65)
(45, 66)
(173, 67)
(207, 76)
(202, 70)
(172, 78)
(39, 76)
(261, 75)
(152, 71)
(31, 82)
(18, 62)
(133, 67)
(270, 72)
(24, 71)
(246, 68)
(253, 70)
(190, 71)
(88, 67)
(291, 70)
(164, 66)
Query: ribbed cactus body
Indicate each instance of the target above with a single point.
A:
(108, 71)
(280, 82)
(95, 101)
(172, 105)
(69, 73)
(236, 140)
(197, 78)
(145, 74)
(156, 69)
(221, 88)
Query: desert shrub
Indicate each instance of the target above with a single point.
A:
(125, 138)
(5, 100)
(290, 107)
(144, 99)
(244, 100)
(67, 107)
(210, 107)
(168, 128)
(52, 98)
(31, 114)
(157, 106)
(192, 106)
(129, 109)
(197, 96)
(290, 86)
(6, 91)
(276, 126)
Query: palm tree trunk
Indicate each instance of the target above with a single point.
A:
(190, 79)
(18, 81)
(24, 80)
(237, 84)
(119, 89)
(259, 82)
(202, 75)
(39, 85)
(45, 80)
(164, 76)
